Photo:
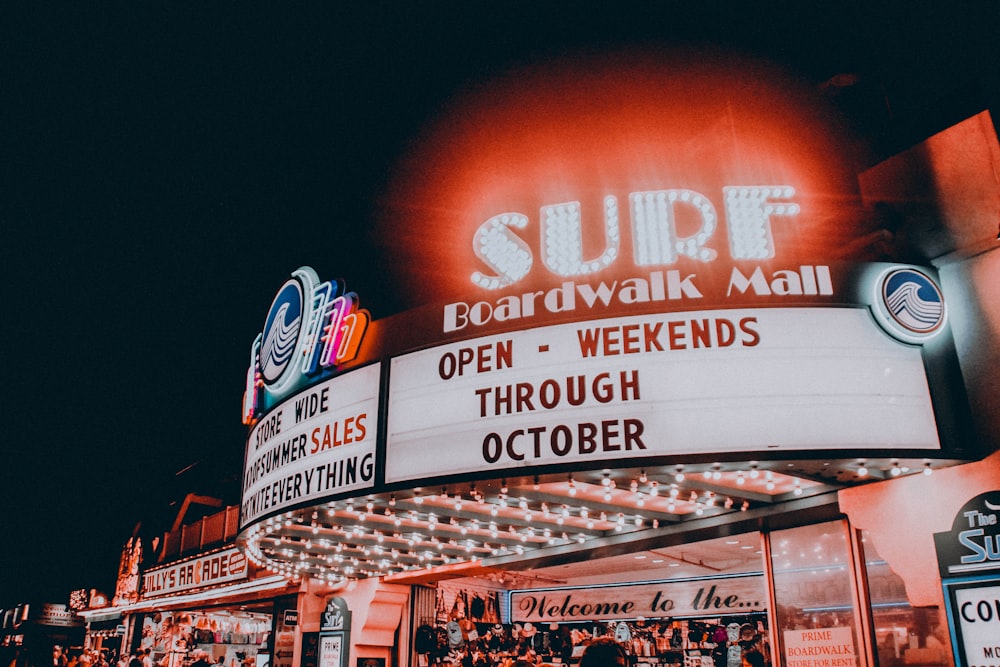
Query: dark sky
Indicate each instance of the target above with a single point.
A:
(165, 166)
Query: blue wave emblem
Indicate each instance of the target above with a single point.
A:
(914, 301)
(281, 332)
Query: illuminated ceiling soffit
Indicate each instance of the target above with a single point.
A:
(490, 525)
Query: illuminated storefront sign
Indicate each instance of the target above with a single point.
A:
(317, 443)
(58, 615)
(657, 599)
(729, 380)
(311, 329)
(973, 544)
(661, 287)
(212, 569)
(656, 242)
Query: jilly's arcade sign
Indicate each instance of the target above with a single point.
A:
(212, 569)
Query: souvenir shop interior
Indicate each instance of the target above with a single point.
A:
(712, 641)
(235, 636)
(472, 617)
(812, 578)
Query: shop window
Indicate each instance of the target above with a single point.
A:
(813, 588)
(694, 604)
(904, 635)
(229, 637)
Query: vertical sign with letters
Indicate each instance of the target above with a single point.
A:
(335, 634)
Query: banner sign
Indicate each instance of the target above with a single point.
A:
(216, 568)
(58, 615)
(724, 595)
(731, 380)
(316, 444)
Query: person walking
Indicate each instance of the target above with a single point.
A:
(604, 652)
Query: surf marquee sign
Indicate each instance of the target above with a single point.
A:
(760, 379)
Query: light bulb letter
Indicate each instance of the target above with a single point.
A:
(654, 226)
(502, 250)
(562, 239)
(748, 215)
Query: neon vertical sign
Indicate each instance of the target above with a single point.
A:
(311, 330)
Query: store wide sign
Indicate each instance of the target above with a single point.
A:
(315, 444)
(220, 567)
(728, 380)
(724, 595)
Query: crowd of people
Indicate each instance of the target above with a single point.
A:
(62, 656)
(683, 643)
(603, 651)
(196, 658)
(607, 652)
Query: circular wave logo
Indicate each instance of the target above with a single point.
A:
(281, 331)
(911, 305)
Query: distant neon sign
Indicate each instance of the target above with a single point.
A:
(656, 242)
(311, 329)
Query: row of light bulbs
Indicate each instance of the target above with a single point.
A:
(269, 545)
(470, 525)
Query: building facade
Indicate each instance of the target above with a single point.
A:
(700, 383)
(704, 388)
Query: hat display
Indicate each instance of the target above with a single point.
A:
(528, 630)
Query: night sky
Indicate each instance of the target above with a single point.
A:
(165, 166)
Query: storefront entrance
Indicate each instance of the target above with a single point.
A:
(805, 596)
(233, 636)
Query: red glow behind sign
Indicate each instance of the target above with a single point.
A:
(583, 130)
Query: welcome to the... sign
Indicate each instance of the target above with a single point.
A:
(727, 595)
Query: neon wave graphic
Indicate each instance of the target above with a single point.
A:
(279, 345)
(911, 310)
